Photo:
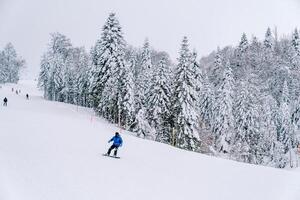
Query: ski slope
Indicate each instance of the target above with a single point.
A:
(52, 151)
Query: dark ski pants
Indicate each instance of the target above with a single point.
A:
(5, 104)
(111, 148)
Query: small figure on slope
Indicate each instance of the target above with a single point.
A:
(27, 96)
(117, 142)
(5, 101)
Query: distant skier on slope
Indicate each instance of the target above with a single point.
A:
(5, 101)
(117, 142)
(27, 96)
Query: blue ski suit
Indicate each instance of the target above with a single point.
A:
(117, 141)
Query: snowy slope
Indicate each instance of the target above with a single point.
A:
(52, 151)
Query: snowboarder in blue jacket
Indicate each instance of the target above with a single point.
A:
(117, 142)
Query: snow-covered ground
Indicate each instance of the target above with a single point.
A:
(52, 151)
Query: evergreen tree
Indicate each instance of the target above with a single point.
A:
(206, 103)
(159, 102)
(107, 58)
(269, 40)
(223, 122)
(269, 130)
(44, 76)
(144, 72)
(54, 65)
(294, 51)
(296, 113)
(127, 95)
(286, 132)
(141, 125)
(107, 71)
(217, 68)
(247, 124)
(3, 72)
(255, 55)
(82, 77)
(296, 42)
(240, 64)
(198, 76)
(243, 45)
(10, 65)
(184, 100)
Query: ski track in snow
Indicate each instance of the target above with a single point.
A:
(52, 151)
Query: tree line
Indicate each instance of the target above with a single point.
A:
(239, 102)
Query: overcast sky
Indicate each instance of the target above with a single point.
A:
(207, 23)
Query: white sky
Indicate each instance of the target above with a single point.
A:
(207, 23)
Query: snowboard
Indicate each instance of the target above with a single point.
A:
(116, 157)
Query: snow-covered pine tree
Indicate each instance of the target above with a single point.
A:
(206, 103)
(269, 129)
(144, 74)
(9, 55)
(240, 64)
(268, 49)
(108, 62)
(198, 74)
(296, 42)
(184, 100)
(127, 94)
(218, 68)
(286, 132)
(158, 99)
(44, 75)
(294, 51)
(2, 68)
(255, 55)
(141, 125)
(10, 65)
(296, 113)
(223, 121)
(53, 66)
(247, 129)
(83, 78)
(57, 71)
(269, 39)
(198, 80)
(243, 45)
(69, 79)
(107, 59)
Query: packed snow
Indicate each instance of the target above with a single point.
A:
(51, 150)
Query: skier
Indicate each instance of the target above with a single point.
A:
(17, 92)
(27, 96)
(5, 101)
(117, 142)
